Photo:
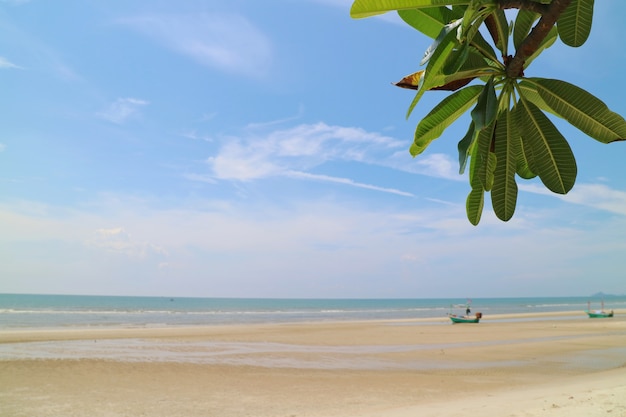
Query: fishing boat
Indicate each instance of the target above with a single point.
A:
(598, 314)
(465, 319)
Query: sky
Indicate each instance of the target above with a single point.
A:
(259, 149)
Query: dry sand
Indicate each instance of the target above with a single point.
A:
(552, 366)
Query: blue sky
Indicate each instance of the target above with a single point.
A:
(259, 149)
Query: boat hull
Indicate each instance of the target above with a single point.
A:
(599, 315)
(457, 319)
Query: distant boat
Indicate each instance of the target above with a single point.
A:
(465, 319)
(598, 314)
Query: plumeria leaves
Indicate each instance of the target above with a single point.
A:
(511, 135)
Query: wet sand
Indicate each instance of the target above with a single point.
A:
(546, 365)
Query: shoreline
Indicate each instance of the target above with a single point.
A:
(27, 334)
(545, 364)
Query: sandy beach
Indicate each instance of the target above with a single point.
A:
(553, 365)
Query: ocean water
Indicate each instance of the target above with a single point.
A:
(66, 311)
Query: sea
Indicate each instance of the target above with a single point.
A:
(30, 311)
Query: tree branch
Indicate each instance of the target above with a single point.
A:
(531, 5)
(514, 68)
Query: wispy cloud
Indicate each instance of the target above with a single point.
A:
(436, 165)
(598, 196)
(194, 135)
(34, 51)
(294, 151)
(122, 109)
(346, 181)
(260, 125)
(228, 42)
(6, 64)
(118, 240)
(2, 147)
(200, 178)
(298, 149)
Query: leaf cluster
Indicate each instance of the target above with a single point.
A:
(509, 136)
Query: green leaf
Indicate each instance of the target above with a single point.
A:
(523, 24)
(551, 156)
(486, 107)
(482, 46)
(457, 59)
(523, 159)
(529, 156)
(442, 116)
(504, 192)
(530, 93)
(475, 13)
(444, 34)
(490, 169)
(485, 163)
(465, 146)
(480, 159)
(526, 161)
(581, 109)
(475, 65)
(432, 74)
(574, 24)
(367, 8)
(430, 21)
(476, 198)
(474, 205)
(502, 30)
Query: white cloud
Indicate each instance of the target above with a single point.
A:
(200, 178)
(122, 109)
(309, 248)
(437, 165)
(598, 196)
(5, 63)
(118, 240)
(346, 181)
(228, 42)
(239, 162)
(291, 152)
(194, 135)
(2, 147)
(294, 151)
(297, 149)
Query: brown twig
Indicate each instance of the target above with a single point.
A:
(549, 16)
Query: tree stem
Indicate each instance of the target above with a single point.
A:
(549, 16)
